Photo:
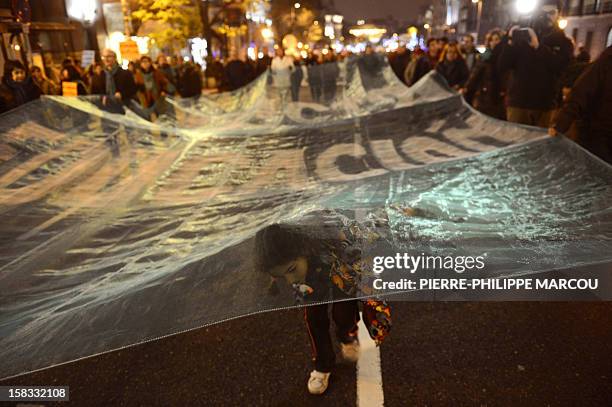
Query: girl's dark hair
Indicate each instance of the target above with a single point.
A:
(277, 244)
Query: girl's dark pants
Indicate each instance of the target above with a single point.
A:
(346, 317)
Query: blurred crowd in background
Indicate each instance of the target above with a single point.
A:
(530, 76)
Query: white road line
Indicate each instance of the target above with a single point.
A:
(369, 376)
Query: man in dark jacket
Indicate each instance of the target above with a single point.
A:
(190, 82)
(297, 75)
(315, 76)
(263, 63)
(399, 60)
(590, 105)
(536, 64)
(238, 73)
(427, 62)
(330, 72)
(115, 83)
(485, 89)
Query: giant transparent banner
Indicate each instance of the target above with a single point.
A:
(116, 230)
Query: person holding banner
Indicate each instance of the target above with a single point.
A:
(151, 83)
(115, 83)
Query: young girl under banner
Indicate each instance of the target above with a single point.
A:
(323, 260)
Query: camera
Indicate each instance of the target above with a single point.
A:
(521, 36)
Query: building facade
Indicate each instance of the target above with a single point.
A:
(589, 23)
(42, 32)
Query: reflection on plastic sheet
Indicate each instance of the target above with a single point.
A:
(116, 230)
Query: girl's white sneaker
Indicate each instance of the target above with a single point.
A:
(318, 381)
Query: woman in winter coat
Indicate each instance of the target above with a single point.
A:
(485, 88)
(151, 83)
(315, 77)
(452, 66)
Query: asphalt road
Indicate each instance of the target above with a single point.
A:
(539, 354)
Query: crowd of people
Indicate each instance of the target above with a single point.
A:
(320, 69)
(527, 75)
(141, 85)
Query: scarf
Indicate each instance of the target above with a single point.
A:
(111, 87)
(149, 82)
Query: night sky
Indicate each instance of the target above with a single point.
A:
(399, 9)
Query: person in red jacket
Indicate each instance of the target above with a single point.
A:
(151, 83)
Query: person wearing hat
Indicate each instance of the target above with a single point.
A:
(535, 64)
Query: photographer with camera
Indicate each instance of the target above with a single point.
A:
(535, 52)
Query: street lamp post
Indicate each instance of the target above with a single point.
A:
(478, 18)
(293, 16)
(206, 32)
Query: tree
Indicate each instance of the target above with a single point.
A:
(175, 21)
(289, 20)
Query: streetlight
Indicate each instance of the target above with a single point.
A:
(525, 6)
(85, 11)
(478, 18)
(267, 33)
(296, 6)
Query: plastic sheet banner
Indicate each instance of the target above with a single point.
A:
(116, 230)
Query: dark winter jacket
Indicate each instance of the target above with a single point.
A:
(190, 82)
(370, 67)
(14, 94)
(263, 64)
(315, 73)
(423, 65)
(237, 74)
(297, 75)
(329, 73)
(455, 72)
(485, 87)
(399, 62)
(124, 84)
(535, 73)
(590, 101)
